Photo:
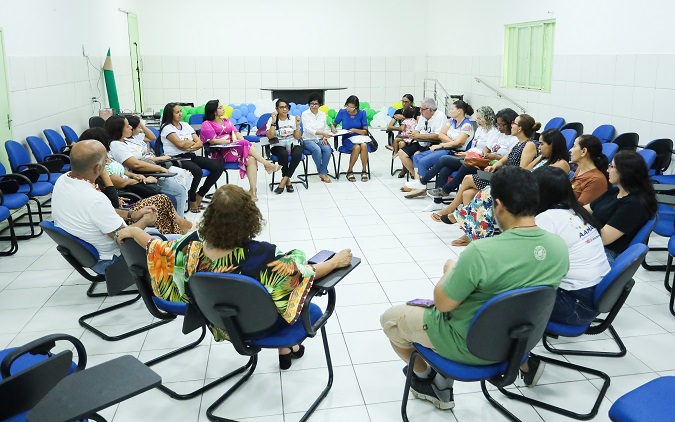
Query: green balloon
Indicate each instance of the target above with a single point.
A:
(370, 113)
(332, 113)
(200, 109)
(329, 120)
(364, 106)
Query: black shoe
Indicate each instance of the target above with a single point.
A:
(285, 361)
(279, 191)
(424, 389)
(300, 353)
(531, 377)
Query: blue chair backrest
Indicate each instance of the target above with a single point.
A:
(39, 148)
(621, 273)
(555, 123)
(605, 133)
(69, 133)
(196, 119)
(156, 132)
(85, 253)
(570, 135)
(642, 236)
(609, 149)
(263, 119)
(489, 332)
(56, 141)
(649, 156)
(17, 155)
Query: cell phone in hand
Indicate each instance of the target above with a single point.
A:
(320, 257)
(424, 303)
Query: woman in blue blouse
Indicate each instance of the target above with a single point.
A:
(356, 122)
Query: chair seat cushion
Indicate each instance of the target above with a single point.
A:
(51, 178)
(205, 173)
(288, 334)
(665, 226)
(460, 371)
(565, 330)
(39, 188)
(252, 138)
(176, 308)
(274, 158)
(231, 166)
(651, 402)
(26, 361)
(666, 179)
(66, 167)
(15, 200)
(4, 213)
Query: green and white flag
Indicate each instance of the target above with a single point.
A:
(109, 76)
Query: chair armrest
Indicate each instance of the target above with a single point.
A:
(39, 167)
(19, 179)
(53, 166)
(8, 186)
(63, 157)
(244, 125)
(42, 346)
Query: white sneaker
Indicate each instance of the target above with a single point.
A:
(433, 207)
(415, 184)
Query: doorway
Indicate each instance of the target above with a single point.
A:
(136, 61)
(5, 112)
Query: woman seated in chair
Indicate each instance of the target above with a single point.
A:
(168, 220)
(560, 213)
(356, 122)
(316, 136)
(590, 178)
(226, 245)
(624, 209)
(180, 140)
(283, 131)
(218, 130)
(130, 155)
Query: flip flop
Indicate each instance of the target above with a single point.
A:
(289, 188)
(460, 242)
(446, 219)
(416, 193)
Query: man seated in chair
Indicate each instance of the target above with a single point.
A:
(428, 127)
(523, 255)
(82, 210)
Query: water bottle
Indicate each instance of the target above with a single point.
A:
(289, 146)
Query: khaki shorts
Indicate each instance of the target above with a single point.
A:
(404, 325)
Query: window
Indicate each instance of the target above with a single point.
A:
(528, 55)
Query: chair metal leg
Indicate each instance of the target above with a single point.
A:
(666, 280)
(252, 362)
(615, 337)
(672, 302)
(13, 240)
(329, 384)
(122, 336)
(559, 410)
(337, 173)
(406, 388)
(494, 403)
(650, 267)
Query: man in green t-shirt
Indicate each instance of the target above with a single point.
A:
(522, 256)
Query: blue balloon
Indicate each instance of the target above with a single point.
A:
(391, 112)
(242, 119)
(236, 113)
(251, 118)
(251, 107)
(244, 110)
(296, 112)
(303, 107)
(293, 105)
(232, 105)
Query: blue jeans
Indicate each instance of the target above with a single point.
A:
(101, 265)
(171, 188)
(574, 307)
(424, 161)
(320, 154)
(611, 255)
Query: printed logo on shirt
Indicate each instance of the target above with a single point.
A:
(586, 232)
(540, 253)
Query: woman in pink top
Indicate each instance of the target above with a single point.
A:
(218, 130)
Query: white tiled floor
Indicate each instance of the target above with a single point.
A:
(402, 253)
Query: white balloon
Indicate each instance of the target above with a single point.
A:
(384, 110)
(263, 106)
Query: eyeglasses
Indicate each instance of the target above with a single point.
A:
(405, 102)
(350, 108)
(424, 109)
(514, 123)
(313, 104)
(283, 107)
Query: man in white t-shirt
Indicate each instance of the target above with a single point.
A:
(428, 127)
(81, 209)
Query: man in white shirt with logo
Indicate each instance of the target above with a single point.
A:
(428, 127)
(81, 209)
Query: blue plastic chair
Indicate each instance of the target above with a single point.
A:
(504, 330)
(244, 308)
(20, 191)
(650, 402)
(6, 215)
(664, 154)
(196, 119)
(344, 150)
(605, 133)
(578, 127)
(43, 153)
(304, 181)
(555, 123)
(20, 160)
(262, 120)
(570, 135)
(56, 141)
(628, 140)
(610, 149)
(648, 155)
(70, 134)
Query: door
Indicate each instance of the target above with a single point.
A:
(5, 114)
(136, 61)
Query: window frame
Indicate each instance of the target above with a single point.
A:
(513, 56)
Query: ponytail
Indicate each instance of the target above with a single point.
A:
(602, 163)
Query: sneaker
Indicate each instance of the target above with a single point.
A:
(531, 377)
(438, 193)
(415, 184)
(433, 207)
(424, 389)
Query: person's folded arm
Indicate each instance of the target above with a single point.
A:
(180, 143)
(135, 164)
(609, 234)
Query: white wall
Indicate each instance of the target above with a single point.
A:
(613, 62)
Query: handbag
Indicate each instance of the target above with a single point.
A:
(373, 145)
(476, 160)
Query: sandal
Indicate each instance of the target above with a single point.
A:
(253, 196)
(462, 241)
(289, 188)
(350, 176)
(364, 177)
(279, 191)
(324, 178)
(196, 207)
(446, 219)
